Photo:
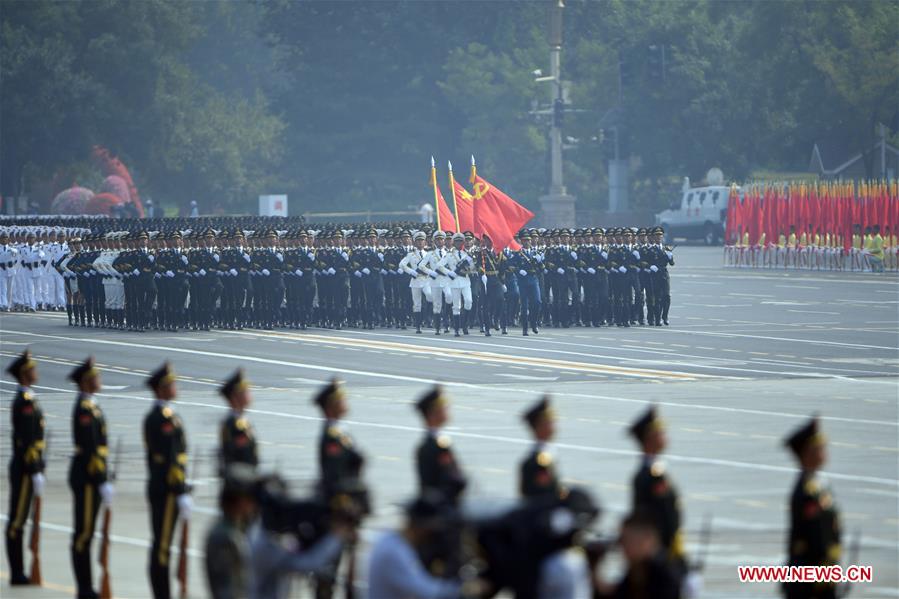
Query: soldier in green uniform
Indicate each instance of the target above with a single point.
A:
(238, 442)
(167, 489)
(438, 469)
(814, 519)
(653, 492)
(87, 471)
(537, 472)
(26, 468)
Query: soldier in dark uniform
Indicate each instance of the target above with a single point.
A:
(87, 472)
(437, 467)
(649, 573)
(238, 442)
(653, 492)
(235, 265)
(26, 467)
(814, 519)
(537, 474)
(662, 286)
(228, 559)
(167, 489)
(340, 464)
(525, 265)
(492, 270)
(172, 265)
(306, 280)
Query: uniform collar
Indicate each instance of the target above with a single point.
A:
(162, 403)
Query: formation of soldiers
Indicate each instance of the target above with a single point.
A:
(403, 565)
(868, 250)
(130, 278)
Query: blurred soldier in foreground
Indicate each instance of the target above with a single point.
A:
(238, 442)
(537, 475)
(814, 519)
(228, 571)
(167, 489)
(26, 467)
(649, 572)
(87, 473)
(437, 467)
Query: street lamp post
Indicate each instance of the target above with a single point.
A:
(557, 207)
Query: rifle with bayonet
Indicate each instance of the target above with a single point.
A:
(105, 587)
(182, 550)
(34, 542)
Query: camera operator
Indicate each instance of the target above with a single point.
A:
(294, 537)
(227, 545)
(650, 574)
(394, 567)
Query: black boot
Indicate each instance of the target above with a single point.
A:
(524, 325)
(417, 316)
(465, 322)
(456, 319)
(436, 323)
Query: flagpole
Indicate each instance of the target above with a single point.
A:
(453, 188)
(434, 184)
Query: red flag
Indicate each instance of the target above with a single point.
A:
(464, 207)
(730, 225)
(445, 220)
(497, 215)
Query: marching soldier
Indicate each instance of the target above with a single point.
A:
(437, 467)
(525, 263)
(167, 490)
(415, 266)
(814, 519)
(537, 474)
(653, 492)
(238, 442)
(26, 468)
(456, 265)
(490, 266)
(87, 472)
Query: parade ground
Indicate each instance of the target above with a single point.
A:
(749, 355)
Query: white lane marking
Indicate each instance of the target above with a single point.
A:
(481, 387)
(524, 377)
(813, 342)
(814, 312)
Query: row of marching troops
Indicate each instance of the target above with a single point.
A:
(366, 278)
(28, 281)
(869, 250)
(535, 550)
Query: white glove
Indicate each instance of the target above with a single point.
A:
(280, 256)
(358, 274)
(560, 271)
(505, 289)
(157, 276)
(452, 275)
(87, 274)
(266, 272)
(135, 272)
(233, 272)
(202, 272)
(169, 274)
(622, 269)
(380, 255)
(384, 272)
(523, 273)
(669, 254)
(539, 257)
(184, 258)
(574, 255)
(219, 273)
(654, 268)
(310, 256)
(185, 504)
(298, 272)
(605, 255)
(365, 271)
(216, 256)
(591, 270)
(38, 481)
(253, 272)
(331, 271)
(636, 254)
(692, 585)
(151, 257)
(107, 491)
(345, 256)
(484, 280)
(246, 257)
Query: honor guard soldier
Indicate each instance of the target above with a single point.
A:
(653, 492)
(167, 489)
(814, 519)
(238, 442)
(537, 473)
(87, 472)
(438, 469)
(525, 264)
(340, 464)
(26, 468)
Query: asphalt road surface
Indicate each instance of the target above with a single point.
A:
(748, 356)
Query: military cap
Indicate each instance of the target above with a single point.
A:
(658, 231)
(429, 400)
(409, 233)
(333, 390)
(418, 235)
(458, 237)
(524, 234)
(468, 234)
(237, 382)
(806, 435)
(175, 235)
(21, 364)
(271, 233)
(86, 369)
(161, 376)
(209, 232)
(539, 410)
(438, 235)
(647, 422)
(564, 232)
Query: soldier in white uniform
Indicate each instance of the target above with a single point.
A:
(456, 265)
(415, 265)
(56, 249)
(9, 258)
(113, 288)
(440, 284)
(31, 256)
